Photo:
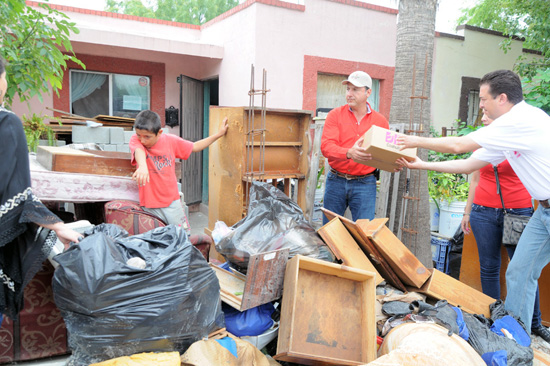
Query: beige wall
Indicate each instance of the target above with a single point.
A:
(472, 54)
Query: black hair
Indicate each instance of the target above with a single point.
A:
(2, 65)
(148, 120)
(504, 82)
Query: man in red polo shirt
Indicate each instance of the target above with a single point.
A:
(348, 183)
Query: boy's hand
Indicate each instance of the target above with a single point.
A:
(224, 127)
(141, 176)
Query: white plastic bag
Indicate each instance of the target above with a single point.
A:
(220, 230)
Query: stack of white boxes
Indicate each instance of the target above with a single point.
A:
(108, 138)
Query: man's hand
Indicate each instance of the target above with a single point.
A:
(141, 175)
(407, 141)
(417, 163)
(357, 153)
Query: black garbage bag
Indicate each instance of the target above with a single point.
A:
(273, 222)
(113, 309)
(455, 253)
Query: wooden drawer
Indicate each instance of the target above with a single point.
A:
(327, 315)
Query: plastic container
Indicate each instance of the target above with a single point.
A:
(450, 216)
(260, 341)
(434, 216)
(441, 245)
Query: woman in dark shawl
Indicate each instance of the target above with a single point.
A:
(21, 213)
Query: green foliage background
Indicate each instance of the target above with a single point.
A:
(528, 19)
(447, 186)
(184, 11)
(35, 43)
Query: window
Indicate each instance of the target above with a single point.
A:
(473, 108)
(331, 93)
(95, 93)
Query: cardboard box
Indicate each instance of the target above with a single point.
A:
(381, 144)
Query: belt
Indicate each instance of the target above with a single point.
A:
(348, 176)
(544, 204)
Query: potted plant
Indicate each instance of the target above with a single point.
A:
(449, 192)
(36, 129)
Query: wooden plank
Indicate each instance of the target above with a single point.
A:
(287, 186)
(62, 159)
(541, 358)
(444, 287)
(102, 117)
(403, 262)
(231, 286)
(47, 155)
(327, 314)
(345, 248)
(381, 265)
(383, 195)
(262, 284)
(394, 198)
(97, 162)
(285, 143)
(264, 278)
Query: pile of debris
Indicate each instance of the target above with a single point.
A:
(350, 293)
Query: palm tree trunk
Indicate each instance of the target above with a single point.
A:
(411, 106)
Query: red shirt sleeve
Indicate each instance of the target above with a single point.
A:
(331, 140)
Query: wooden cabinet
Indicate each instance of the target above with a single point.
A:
(469, 274)
(237, 157)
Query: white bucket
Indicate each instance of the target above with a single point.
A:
(434, 216)
(450, 216)
(260, 341)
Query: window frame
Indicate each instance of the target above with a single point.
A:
(110, 78)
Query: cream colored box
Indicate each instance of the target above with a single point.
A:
(381, 144)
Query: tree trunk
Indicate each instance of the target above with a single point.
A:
(411, 106)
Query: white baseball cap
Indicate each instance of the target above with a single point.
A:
(360, 79)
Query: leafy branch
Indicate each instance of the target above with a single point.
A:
(447, 186)
(35, 43)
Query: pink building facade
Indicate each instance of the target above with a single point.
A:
(294, 43)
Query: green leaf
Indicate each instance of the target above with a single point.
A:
(30, 41)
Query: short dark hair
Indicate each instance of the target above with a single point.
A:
(148, 120)
(504, 82)
(2, 65)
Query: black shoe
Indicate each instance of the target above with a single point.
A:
(542, 332)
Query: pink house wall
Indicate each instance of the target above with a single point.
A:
(293, 43)
(315, 65)
(155, 71)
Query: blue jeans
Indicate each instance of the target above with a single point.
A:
(531, 256)
(486, 223)
(357, 194)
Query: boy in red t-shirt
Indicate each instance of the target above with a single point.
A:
(155, 154)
